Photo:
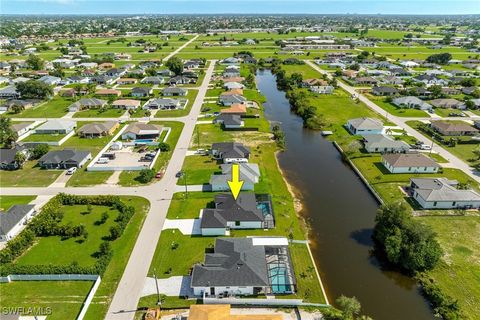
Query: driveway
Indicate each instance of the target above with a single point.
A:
(194, 188)
(172, 287)
(186, 226)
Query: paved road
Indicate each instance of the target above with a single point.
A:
(159, 194)
(454, 162)
(180, 48)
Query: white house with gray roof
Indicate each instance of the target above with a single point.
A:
(441, 193)
(409, 163)
(384, 144)
(365, 126)
(245, 266)
(411, 102)
(56, 126)
(14, 219)
(249, 174)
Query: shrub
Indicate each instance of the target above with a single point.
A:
(146, 175)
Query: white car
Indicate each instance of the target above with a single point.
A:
(71, 170)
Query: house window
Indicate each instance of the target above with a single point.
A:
(237, 223)
(454, 203)
(409, 168)
(425, 169)
(435, 204)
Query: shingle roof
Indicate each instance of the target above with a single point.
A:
(450, 126)
(12, 216)
(442, 189)
(231, 149)
(235, 262)
(66, 155)
(97, 127)
(366, 123)
(402, 160)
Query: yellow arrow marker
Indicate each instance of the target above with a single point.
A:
(235, 185)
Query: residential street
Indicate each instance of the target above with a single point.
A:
(454, 162)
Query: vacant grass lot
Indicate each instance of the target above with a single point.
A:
(44, 137)
(99, 113)
(57, 107)
(64, 298)
(458, 274)
(189, 208)
(30, 175)
(7, 201)
(396, 111)
(198, 169)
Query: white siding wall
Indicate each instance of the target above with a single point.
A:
(214, 231)
(444, 204)
(410, 169)
(245, 225)
(235, 160)
(198, 291)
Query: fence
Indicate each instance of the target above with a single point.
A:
(61, 277)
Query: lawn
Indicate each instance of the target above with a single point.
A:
(191, 96)
(447, 112)
(64, 298)
(29, 176)
(99, 113)
(57, 107)
(44, 137)
(396, 111)
(130, 178)
(170, 261)
(458, 274)
(305, 70)
(189, 208)
(7, 201)
(198, 169)
(84, 178)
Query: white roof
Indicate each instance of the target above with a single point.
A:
(269, 241)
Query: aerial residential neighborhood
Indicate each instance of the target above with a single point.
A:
(198, 160)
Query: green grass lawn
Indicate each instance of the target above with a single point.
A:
(396, 111)
(307, 282)
(198, 169)
(7, 201)
(29, 176)
(44, 137)
(64, 298)
(189, 208)
(84, 178)
(446, 112)
(305, 70)
(130, 178)
(99, 113)
(57, 107)
(458, 274)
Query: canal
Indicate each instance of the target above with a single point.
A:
(340, 211)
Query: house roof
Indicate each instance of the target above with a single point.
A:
(451, 126)
(446, 103)
(235, 108)
(138, 127)
(411, 101)
(97, 127)
(7, 156)
(162, 102)
(402, 160)
(222, 312)
(383, 89)
(13, 216)
(229, 119)
(66, 155)
(231, 149)
(141, 90)
(176, 90)
(108, 92)
(234, 98)
(20, 125)
(382, 141)
(234, 262)
(366, 123)
(126, 102)
(442, 189)
(90, 102)
(56, 124)
(249, 173)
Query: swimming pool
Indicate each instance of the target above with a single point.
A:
(264, 207)
(279, 280)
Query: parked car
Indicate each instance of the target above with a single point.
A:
(425, 147)
(159, 174)
(71, 170)
(179, 174)
(102, 160)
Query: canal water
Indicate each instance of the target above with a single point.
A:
(340, 211)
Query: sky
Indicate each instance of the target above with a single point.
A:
(239, 6)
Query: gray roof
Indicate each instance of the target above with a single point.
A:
(232, 98)
(382, 141)
(366, 123)
(411, 101)
(20, 125)
(382, 89)
(402, 160)
(97, 127)
(235, 262)
(7, 156)
(231, 149)
(229, 119)
(175, 90)
(66, 155)
(446, 103)
(229, 209)
(12, 216)
(442, 189)
(163, 102)
(56, 124)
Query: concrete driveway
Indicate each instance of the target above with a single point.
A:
(186, 226)
(174, 286)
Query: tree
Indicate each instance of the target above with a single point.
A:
(408, 244)
(146, 175)
(175, 65)
(40, 150)
(7, 135)
(164, 147)
(350, 307)
(476, 152)
(20, 158)
(35, 62)
(17, 108)
(34, 89)
(439, 58)
(115, 232)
